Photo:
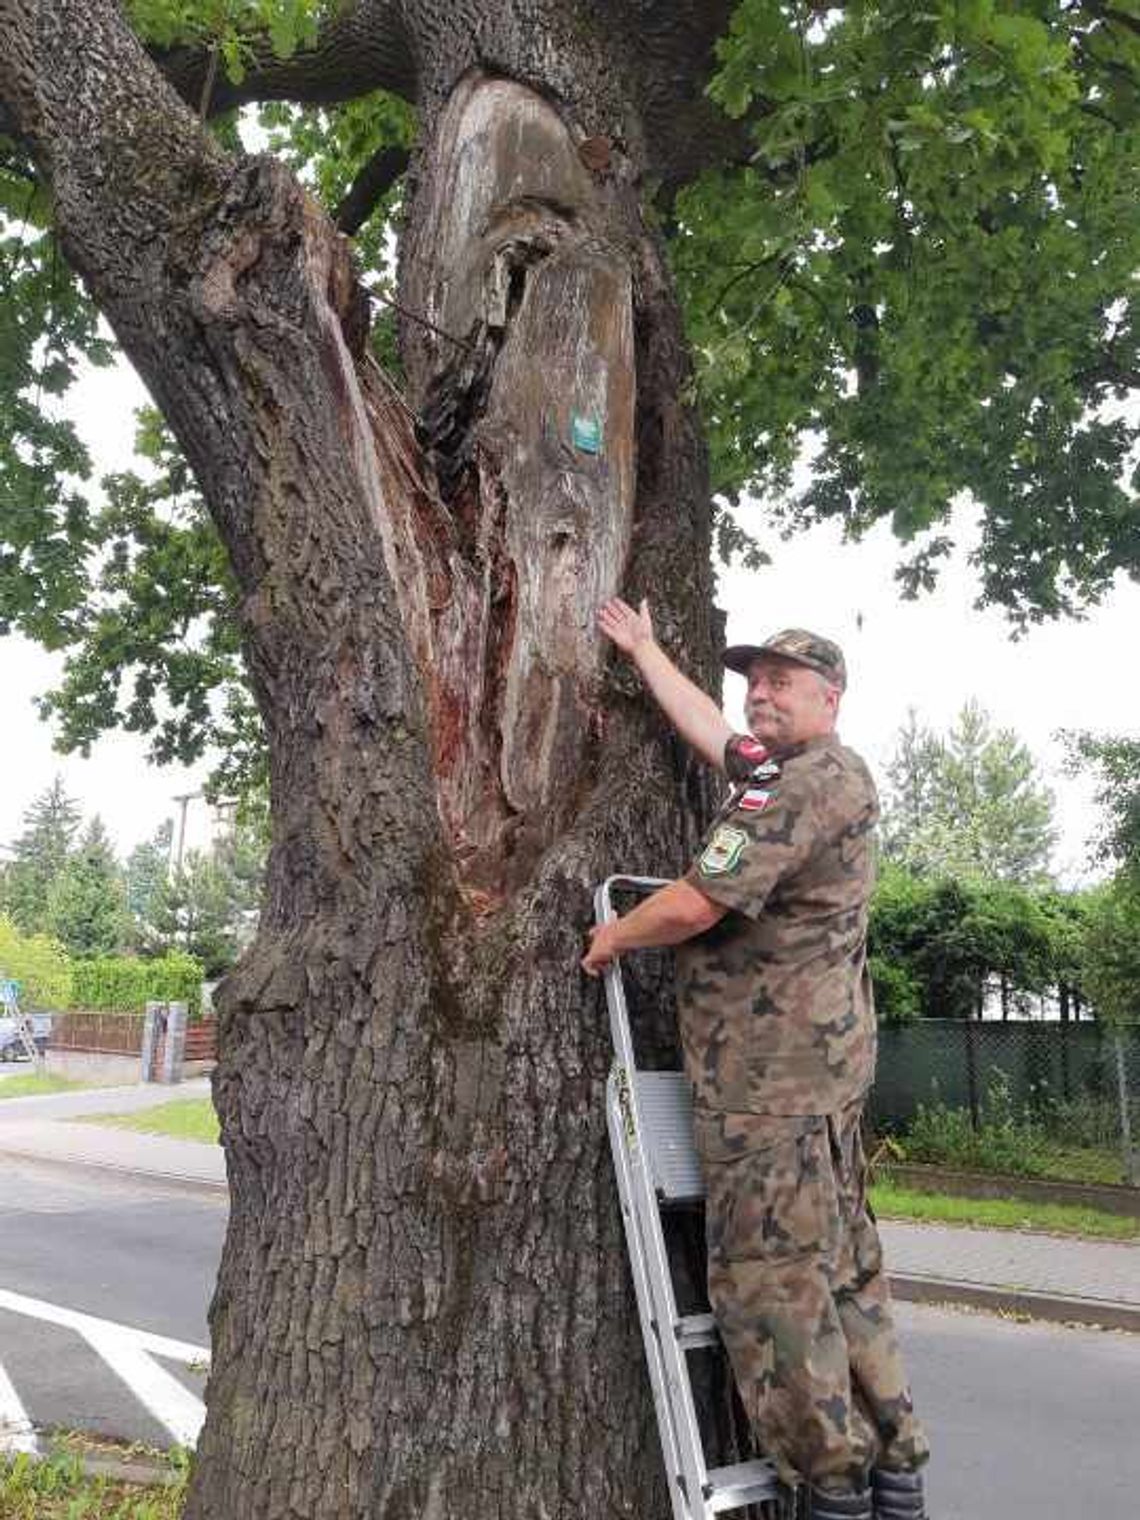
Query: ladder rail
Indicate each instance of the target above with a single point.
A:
(643, 1295)
(620, 1031)
(695, 1492)
(653, 1266)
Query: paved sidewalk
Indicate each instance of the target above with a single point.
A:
(1045, 1276)
(98, 1100)
(49, 1128)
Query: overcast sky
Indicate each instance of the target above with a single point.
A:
(932, 655)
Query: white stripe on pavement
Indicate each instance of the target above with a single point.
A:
(16, 1430)
(54, 1314)
(128, 1352)
(171, 1404)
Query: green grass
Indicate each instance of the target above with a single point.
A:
(57, 1489)
(35, 1084)
(182, 1118)
(1073, 1163)
(1001, 1213)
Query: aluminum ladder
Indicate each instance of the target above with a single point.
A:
(10, 1007)
(650, 1120)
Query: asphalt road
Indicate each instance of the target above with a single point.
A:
(1028, 1421)
(130, 1254)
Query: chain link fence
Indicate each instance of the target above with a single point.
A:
(1016, 1090)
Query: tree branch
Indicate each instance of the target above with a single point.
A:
(375, 178)
(360, 48)
(670, 53)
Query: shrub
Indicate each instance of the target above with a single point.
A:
(117, 984)
(1008, 1139)
(40, 964)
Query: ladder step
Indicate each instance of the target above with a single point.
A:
(665, 1099)
(696, 1330)
(743, 1483)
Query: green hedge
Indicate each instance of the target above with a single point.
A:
(116, 984)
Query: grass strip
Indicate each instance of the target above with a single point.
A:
(1001, 1213)
(181, 1118)
(57, 1488)
(36, 1084)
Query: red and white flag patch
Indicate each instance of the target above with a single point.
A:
(753, 798)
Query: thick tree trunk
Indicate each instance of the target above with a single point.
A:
(423, 1308)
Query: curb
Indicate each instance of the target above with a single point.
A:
(1103, 1314)
(203, 1186)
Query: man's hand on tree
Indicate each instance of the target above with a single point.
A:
(627, 628)
(602, 950)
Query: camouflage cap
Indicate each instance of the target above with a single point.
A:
(818, 654)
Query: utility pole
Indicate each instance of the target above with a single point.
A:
(183, 801)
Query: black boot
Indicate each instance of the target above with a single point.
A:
(898, 1495)
(823, 1504)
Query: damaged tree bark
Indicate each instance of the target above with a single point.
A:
(423, 1307)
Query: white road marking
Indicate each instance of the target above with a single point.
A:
(171, 1404)
(55, 1314)
(128, 1352)
(16, 1430)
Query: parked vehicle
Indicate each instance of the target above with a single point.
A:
(11, 1043)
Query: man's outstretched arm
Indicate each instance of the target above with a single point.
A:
(673, 914)
(694, 715)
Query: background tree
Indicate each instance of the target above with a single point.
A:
(38, 856)
(423, 1304)
(967, 804)
(209, 906)
(1112, 951)
(941, 946)
(39, 963)
(146, 871)
(1111, 927)
(86, 901)
(1115, 761)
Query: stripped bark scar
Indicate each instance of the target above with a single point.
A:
(529, 432)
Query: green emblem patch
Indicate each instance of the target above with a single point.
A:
(722, 853)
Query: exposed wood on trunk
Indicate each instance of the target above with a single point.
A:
(531, 434)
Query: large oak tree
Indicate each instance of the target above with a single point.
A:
(906, 232)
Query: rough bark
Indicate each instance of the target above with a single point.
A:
(663, 51)
(423, 1308)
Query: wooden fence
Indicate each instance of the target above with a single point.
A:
(122, 1034)
(104, 1033)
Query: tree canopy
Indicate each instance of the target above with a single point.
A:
(904, 240)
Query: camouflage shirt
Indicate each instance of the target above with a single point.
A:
(775, 999)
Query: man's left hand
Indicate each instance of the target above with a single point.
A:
(602, 949)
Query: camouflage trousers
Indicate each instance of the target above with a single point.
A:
(797, 1287)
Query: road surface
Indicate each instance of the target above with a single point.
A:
(1028, 1421)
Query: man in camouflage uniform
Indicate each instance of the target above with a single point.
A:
(778, 1031)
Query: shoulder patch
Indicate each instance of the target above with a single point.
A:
(753, 799)
(721, 856)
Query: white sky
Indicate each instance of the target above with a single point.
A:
(933, 655)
